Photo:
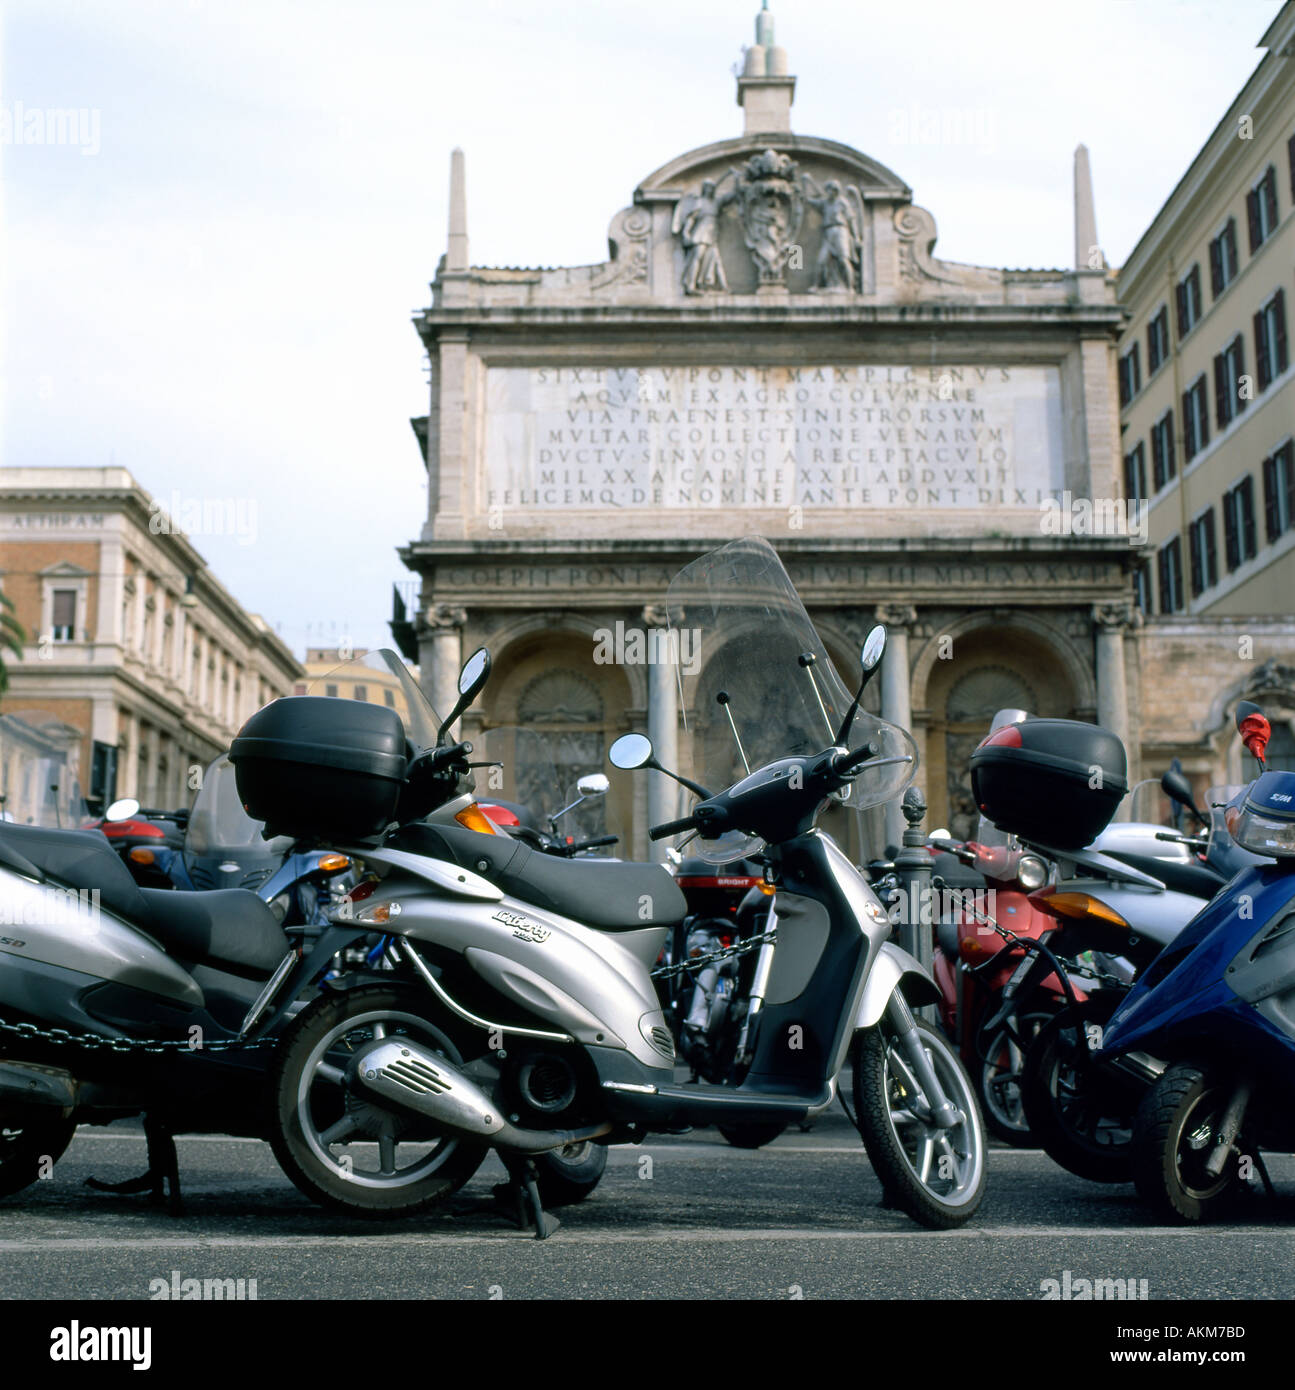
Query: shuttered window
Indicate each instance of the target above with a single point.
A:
(1188, 295)
(1196, 419)
(1204, 554)
(1270, 340)
(1261, 209)
(1223, 258)
(1279, 491)
(1240, 542)
(1229, 368)
(1169, 562)
(63, 614)
(1163, 466)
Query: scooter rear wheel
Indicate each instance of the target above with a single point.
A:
(342, 1149)
(28, 1145)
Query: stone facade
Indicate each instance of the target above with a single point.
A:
(132, 643)
(773, 347)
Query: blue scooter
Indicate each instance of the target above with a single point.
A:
(1212, 1020)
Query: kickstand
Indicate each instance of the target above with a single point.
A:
(162, 1179)
(520, 1196)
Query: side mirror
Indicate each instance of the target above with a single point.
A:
(474, 675)
(631, 751)
(123, 809)
(1177, 788)
(873, 647)
(595, 784)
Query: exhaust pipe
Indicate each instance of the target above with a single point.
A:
(34, 1084)
(407, 1075)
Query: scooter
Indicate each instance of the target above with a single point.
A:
(525, 1018)
(1209, 1030)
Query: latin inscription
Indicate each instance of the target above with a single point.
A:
(759, 437)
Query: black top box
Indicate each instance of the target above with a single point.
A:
(321, 768)
(1054, 782)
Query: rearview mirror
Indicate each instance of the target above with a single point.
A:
(595, 784)
(630, 751)
(1177, 788)
(475, 671)
(873, 647)
(123, 809)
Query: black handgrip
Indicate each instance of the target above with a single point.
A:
(671, 827)
(850, 761)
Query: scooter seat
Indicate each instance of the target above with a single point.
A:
(611, 896)
(231, 928)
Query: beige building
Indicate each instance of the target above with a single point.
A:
(329, 672)
(773, 347)
(132, 641)
(1207, 389)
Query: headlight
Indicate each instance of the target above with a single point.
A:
(1032, 872)
(1265, 822)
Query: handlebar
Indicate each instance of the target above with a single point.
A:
(671, 827)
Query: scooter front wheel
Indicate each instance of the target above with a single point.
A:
(937, 1175)
(1174, 1133)
(347, 1150)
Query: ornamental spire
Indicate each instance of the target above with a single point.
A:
(765, 90)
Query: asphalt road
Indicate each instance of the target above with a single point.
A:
(799, 1219)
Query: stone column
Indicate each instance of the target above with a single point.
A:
(1111, 620)
(663, 730)
(896, 690)
(440, 654)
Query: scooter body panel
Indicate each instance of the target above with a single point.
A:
(63, 928)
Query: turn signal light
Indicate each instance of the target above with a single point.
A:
(474, 818)
(334, 863)
(142, 856)
(1083, 905)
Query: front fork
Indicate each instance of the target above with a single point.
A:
(944, 1114)
(759, 987)
(1229, 1128)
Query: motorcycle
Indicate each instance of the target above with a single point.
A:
(525, 1019)
(1210, 1028)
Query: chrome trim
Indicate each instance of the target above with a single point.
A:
(266, 996)
(442, 994)
(633, 1086)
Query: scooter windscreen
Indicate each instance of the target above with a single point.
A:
(756, 684)
(218, 824)
(381, 677)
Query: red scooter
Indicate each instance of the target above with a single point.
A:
(995, 994)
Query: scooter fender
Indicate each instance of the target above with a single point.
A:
(894, 969)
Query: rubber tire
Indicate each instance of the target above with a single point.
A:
(872, 1115)
(566, 1179)
(1017, 1138)
(751, 1135)
(1108, 1164)
(290, 1148)
(21, 1154)
(1157, 1133)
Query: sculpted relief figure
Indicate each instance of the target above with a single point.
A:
(839, 252)
(772, 204)
(696, 220)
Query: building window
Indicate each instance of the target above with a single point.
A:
(1170, 562)
(1261, 209)
(1189, 301)
(1130, 375)
(1279, 491)
(1142, 587)
(1135, 473)
(331, 690)
(1229, 368)
(298, 689)
(63, 615)
(1196, 418)
(1163, 464)
(1239, 523)
(1204, 553)
(361, 692)
(1270, 340)
(1223, 258)
(390, 697)
(1157, 340)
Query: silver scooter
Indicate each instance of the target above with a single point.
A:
(523, 1018)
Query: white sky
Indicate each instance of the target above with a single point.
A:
(218, 297)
